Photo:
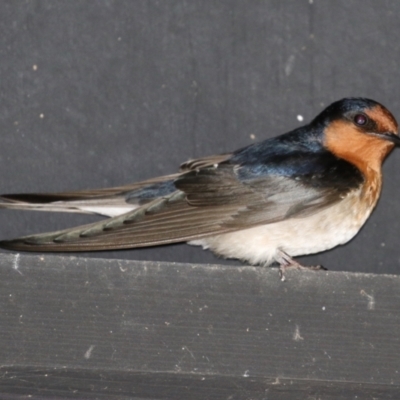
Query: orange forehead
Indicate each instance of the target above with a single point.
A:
(383, 118)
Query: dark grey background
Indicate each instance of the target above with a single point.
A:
(105, 93)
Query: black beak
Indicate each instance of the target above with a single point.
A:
(390, 136)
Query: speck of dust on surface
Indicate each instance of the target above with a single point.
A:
(89, 352)
(296, 335)
(370, 298)
(15, 264)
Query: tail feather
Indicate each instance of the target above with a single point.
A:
(109, 202)
(109, 207)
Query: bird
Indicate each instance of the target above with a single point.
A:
(303, 192)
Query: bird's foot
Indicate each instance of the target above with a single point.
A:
(286, 262)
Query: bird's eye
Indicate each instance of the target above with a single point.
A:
(360, 119)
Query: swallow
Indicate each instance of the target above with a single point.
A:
(299, 193)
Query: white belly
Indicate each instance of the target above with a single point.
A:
(298, 236)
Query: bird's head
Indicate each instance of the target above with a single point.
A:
(361, 131)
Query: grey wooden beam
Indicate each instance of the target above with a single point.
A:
(94, 328)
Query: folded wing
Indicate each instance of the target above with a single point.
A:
(207, 199)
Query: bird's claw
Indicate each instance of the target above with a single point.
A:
(283, 268)
(287, 262)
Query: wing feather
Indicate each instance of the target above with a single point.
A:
(109, 202)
